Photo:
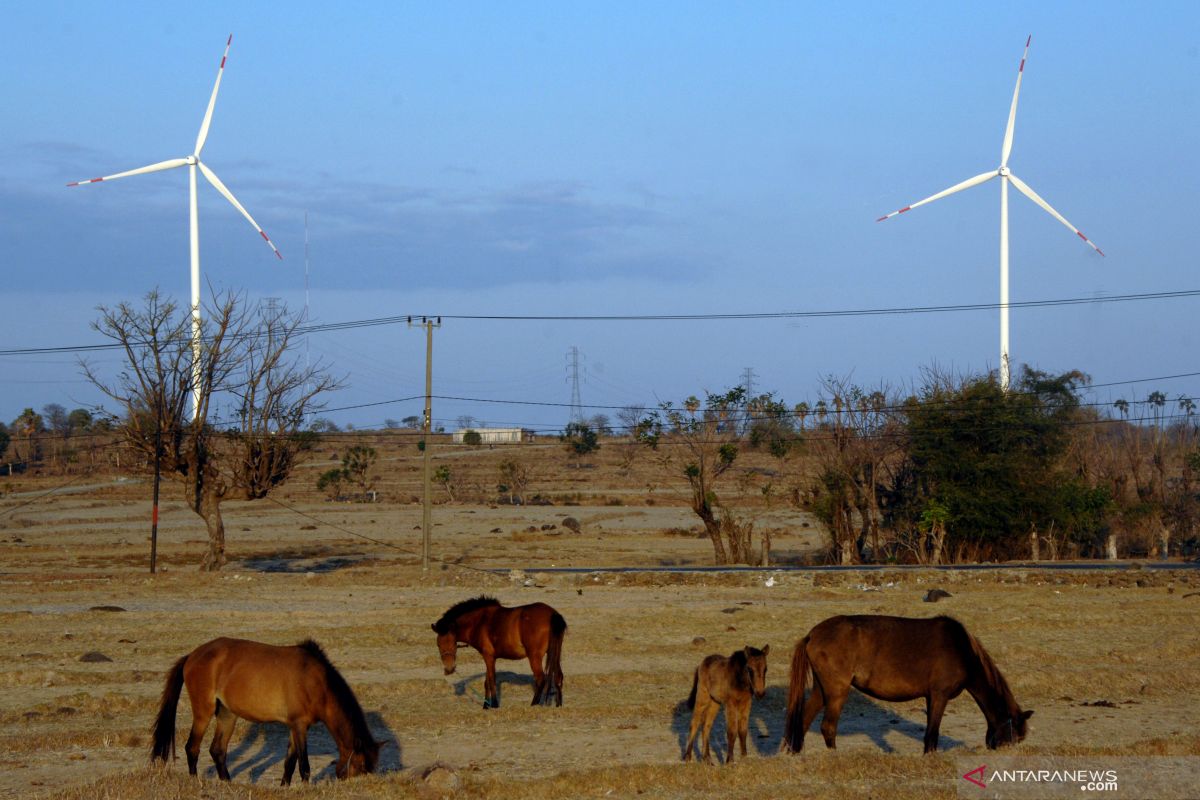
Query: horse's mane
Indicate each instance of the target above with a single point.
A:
(991, 673)
(343, 694)
(458, 609)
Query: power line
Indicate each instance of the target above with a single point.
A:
(818, 314)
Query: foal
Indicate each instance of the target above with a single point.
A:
(728, 681)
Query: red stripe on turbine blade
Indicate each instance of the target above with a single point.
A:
(222, 62)
(229, 41)
(1081, 236)
(76, 183)
(1027, 41)
(1101, 252)
(906, 208)
(279, 255)
(1022, 67)
(881, 219)
(95, 180)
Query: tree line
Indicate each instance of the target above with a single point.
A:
(957, 469)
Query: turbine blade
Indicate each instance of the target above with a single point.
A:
(1012, 111)
(220, 187)
(1024, 189)
(958, 187)
(159, 167)
(212, 101)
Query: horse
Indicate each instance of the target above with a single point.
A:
(296, 685)
(897, 659)
(531, 631)
(730, 682)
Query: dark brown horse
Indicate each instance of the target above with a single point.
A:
(897, 659)
(729, 682)
(531, 631)
(231, 678)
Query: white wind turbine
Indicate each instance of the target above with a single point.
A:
(1005, 176)
(192, 162)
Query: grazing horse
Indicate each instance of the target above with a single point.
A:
(231, 678)
(531, 631)
(897, 659)
(730, 682)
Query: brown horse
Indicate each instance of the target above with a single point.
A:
(231, 678)
(730, 682)
(897, 659)
(531, 631)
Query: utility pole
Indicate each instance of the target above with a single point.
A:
(157, 481)
(427, 427)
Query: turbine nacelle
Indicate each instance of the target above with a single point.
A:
(1004, 172)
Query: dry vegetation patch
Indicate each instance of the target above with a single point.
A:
(1107, 660)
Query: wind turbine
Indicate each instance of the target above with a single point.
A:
(1005, 176)
(193, 162)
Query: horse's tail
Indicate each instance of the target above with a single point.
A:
(691, 701)
(793, 726)
(164, 724)
(558, 629)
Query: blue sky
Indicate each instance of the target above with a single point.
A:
(615, 158)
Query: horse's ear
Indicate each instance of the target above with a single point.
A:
(433, 627)
(746, 651)
(1027, 714)
(766, 649)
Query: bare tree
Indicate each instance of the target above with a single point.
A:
(245, 357)
(514, 479)
(630, 417)
(700, 443)
(854, 451)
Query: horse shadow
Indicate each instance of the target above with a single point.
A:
(472, 685)
(861, 716)
(264, 745)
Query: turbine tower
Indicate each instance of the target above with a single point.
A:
(192, 162)
(1006, 176)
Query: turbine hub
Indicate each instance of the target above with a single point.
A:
(1003, 172)
(192, 160)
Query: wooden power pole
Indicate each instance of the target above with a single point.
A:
(427, 429)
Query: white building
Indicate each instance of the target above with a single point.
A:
(497, 435)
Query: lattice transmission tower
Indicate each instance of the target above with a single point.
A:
(573, 378)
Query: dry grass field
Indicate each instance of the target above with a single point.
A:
(1108, 660)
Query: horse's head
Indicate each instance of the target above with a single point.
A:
(362, 760)
(1009, 730)
(447, 642)
(756, 669)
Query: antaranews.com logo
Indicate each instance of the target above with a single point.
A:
(1050, 777)
(1086, 780)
